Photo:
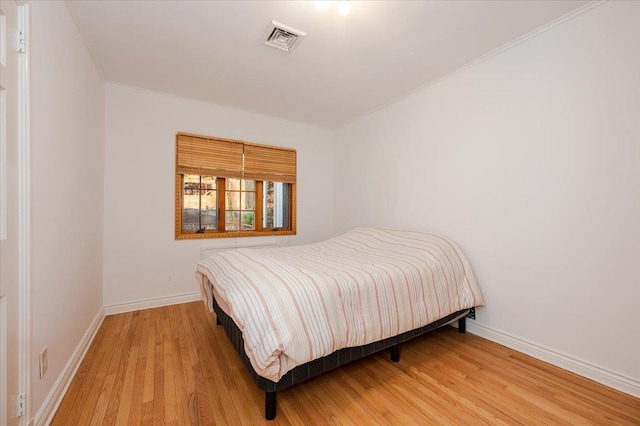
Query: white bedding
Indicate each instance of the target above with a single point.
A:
(296, 304)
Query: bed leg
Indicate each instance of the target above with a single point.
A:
(395, 353)
(462, 325)
(270, 405)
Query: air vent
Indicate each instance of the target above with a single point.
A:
(282, 37)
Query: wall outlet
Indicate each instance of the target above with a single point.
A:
(44, 362)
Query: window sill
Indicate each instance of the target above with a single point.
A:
(232, 234)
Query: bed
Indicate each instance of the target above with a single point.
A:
(293, 313)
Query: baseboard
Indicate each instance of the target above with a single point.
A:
(54, 398)
(601, 375)
(51, 403)
(152, 303)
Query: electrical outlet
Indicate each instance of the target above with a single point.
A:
(44, 362)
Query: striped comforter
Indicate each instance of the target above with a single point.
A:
(297, 304)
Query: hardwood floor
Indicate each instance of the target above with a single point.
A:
(174, 366)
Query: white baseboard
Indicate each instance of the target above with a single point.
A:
(152, 303)
(51, 403)
(54, 398)
(601, 375)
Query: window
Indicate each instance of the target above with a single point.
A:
(275, 213)
(240, 206)
(199, 203)
(227, 188)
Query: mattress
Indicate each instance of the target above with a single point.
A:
(294, 305)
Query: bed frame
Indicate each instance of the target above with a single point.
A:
(322, 365)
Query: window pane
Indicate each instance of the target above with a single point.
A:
(248, 185)
(275, 209)
(190, 202)
(190, 183)
(232, 184)
(240, 204)
(233, 200)
(191, 199)
(232, 221)
(248, 201)
(208, 182)
(208, 199)
(190, 219)
(208, 209)
(248, 221)
(199, 203)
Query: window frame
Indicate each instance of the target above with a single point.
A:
(180, 234)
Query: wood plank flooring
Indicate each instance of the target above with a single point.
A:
(174, 366)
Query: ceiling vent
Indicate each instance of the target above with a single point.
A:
(282, 37)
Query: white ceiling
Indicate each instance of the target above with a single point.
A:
(345, 67)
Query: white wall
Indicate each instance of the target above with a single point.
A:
(142, 260)
(530, 160)
(67, 157)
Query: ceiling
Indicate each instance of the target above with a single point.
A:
(345, 67)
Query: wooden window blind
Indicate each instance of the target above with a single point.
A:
(207, 156)
(201, 155)
(269, 163)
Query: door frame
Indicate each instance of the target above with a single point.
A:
(24, 226)
(24, 211)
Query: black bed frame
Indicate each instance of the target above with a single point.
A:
(322, 365)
